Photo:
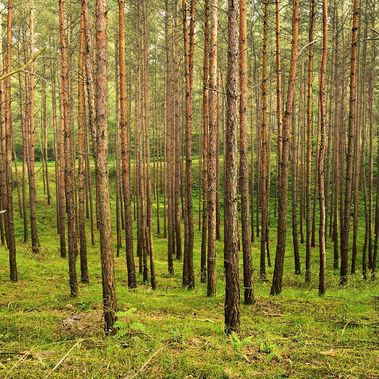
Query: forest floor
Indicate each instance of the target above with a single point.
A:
(176, 333)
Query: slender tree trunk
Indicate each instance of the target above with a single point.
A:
(218, 206)
(205, 126)
(277, 281)
(349, 157)
(279, 105)
(244, 166)
(212, 149)
(168, 161)
(105, 227)
(125, 153)
(118, 185)
(23, 105)
(3, 152)
(294, 193)
(321, 156)
(69, 166)
(176, 133)
(252, 163)
(31, 132)
(147, 184)
(308, 179)
(371, 252)
(45, 142)
(232, 289)
(81, 121)
(188, 271)
(263, 148)
(11, 242)
(313, 232)
(336, 143)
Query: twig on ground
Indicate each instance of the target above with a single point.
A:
(145, 364)
(63, 358)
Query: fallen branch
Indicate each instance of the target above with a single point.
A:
(25, 355)
(63, 358)
(146, 363)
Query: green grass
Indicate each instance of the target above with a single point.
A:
(176, 333)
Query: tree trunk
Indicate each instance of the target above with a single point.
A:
(31, 132)
(125, 153)
(205, 117)
(372, 261)
(263, 148)
(232, 289)
(277, 281)
(105, 226)
(212, 150)
(294, 192)
(69, 167)
(350, 157)
(11, 242)
(81, 121)
(321, 156)
(244, 166)
(188, 271)
(308, 179)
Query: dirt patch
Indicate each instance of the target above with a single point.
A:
(86, 324)
(269, 307)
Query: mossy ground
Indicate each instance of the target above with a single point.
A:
(176, 333)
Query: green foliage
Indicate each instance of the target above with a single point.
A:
(270, 349)
(238, 343)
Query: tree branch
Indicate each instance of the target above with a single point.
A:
(28, 63)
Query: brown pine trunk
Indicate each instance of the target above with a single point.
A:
(31, 135)
(350, 157)
(360, 127)
(244, 166)
(105, 226)
(232, 289)
(336, 142)
(313, 232)
(212, 150)
(125, 153)
(55, 142)
(69, 167)
(220, 121)
(91, 116)
(371, 253)
(23, 105)
(252, 163)
(168, 158)
(278, 86)
(294, 193)
(45, 144)
(11, 242)
(81, 121)
(188, 271)
(176, 135)
(3, 152)
(321, 156)
(166, 129)
(263, 148)
(277, 281)
(147, 134)
(308, 179)
(118, 185)
(205, 116)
